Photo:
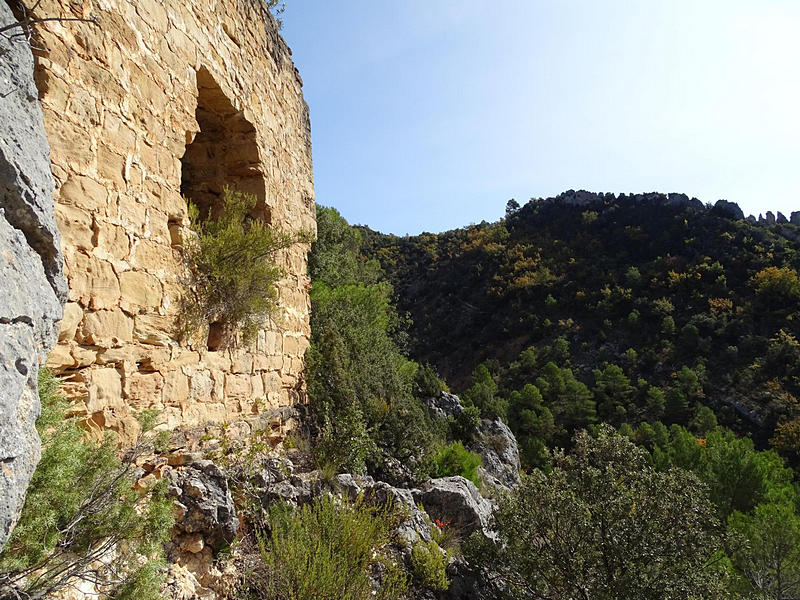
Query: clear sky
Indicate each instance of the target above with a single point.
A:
(430, 114)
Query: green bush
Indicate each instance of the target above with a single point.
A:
(454, 459)
(360, 385)
(80, 508)
(603, 524)
(428, 382)
(325, 551)
(428, 566)
(232, 269)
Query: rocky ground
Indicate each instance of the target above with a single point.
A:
(208, 497)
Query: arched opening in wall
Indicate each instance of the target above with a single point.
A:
(223, 153)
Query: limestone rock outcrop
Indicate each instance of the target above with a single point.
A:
(456, 501)
(159, 101)
(33, 285)
(206, 515)
(493, 440)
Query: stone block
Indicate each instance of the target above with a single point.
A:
(139, 291)
(60, 358)
(106, 328)
(242, 361)
(176, 389)
(219, 360)
(92, 281)
(237, 387)
(113, 241)
(111, 166)
(201, 386)
(141, 388)
(153, 329)
(73, 314)
(84, 192)
(75, 225)
(105, 389)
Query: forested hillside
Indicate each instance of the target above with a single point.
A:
(623, 309)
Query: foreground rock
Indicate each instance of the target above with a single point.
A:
(205, 512)
(30, 270)
(457, 502)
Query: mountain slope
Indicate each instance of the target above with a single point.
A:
(649, 283)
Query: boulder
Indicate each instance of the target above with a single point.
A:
(30, 270)
(446, 405)
(458, 503)
(204, 504)
(494, 442)
(499, 453)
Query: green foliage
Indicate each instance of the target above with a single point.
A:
(428, 382)
(579, 287)
(428, 566)
(454, 459)
(80, 508)
(325, 551)
(466, 424)
(483, 394)
(232, 269)
(777, 286)
(602, 524)
(361, 386)
(767, 552)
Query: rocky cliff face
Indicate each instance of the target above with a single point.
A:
(31, 278)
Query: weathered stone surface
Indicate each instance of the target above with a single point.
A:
(446, 405)
(206, 505)
(456, 500)
(494, 441)
(158, 102)
(498, 449)
(30, 270)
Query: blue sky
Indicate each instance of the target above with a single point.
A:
(430, 115)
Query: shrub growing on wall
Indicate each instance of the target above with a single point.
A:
(233, 273)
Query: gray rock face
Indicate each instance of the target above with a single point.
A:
(499, 453)
(456, 501)
(794, 218)
(446, 405)
(494, 442)
(31, 273)
(205, 503)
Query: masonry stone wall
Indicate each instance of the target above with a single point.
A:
(160, 98)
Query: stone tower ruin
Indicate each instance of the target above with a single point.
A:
(157, 101)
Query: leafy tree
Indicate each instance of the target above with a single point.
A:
(483, 394)
(359, 382)
(602, 524)
(768, 553)
(612, 392)
(777, 286)
(569, 399)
